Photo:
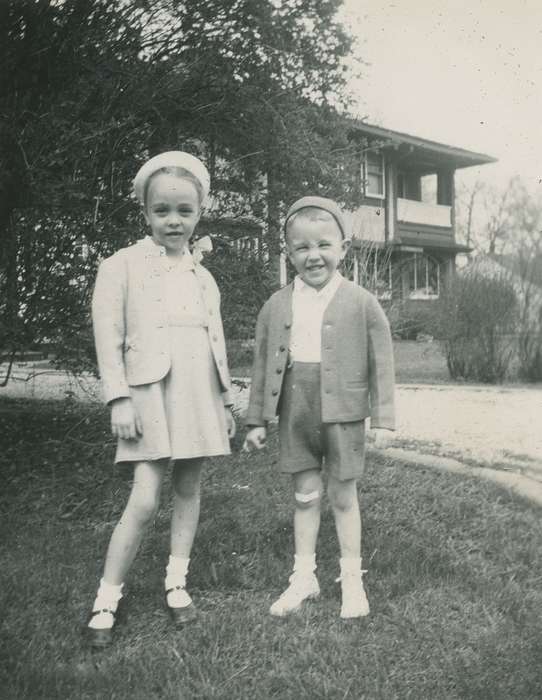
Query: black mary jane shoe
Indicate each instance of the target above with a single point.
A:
(100, 638)
(181, 616)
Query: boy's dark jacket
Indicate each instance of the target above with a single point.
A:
(357, 374)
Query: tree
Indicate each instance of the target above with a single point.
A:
(90, 88)
(508, 230)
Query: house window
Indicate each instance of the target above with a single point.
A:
(423, 277)
(373, 175)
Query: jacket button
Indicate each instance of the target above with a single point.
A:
(275, 392)
(220, 363)
(215, 338)
(210, 312)
(282, 348)
(279, 370)
(287, 325)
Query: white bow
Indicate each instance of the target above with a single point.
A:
(201, 246)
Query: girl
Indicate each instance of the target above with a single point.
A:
(162, 359)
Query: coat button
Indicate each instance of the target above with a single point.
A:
(275, 392)
(220, 363)
(279, 370)
(215, 338)
(282, 348)
(287, 325)
(210, 312)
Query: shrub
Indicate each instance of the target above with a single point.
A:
(245, 283)
(410, 319)
(530, 347)
(475, 322)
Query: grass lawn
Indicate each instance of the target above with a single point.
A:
(455, 582)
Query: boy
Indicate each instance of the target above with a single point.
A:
(323, 361)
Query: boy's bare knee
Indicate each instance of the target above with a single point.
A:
(342, 495)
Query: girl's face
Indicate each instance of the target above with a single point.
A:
(172, 211)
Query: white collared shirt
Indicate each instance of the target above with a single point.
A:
(308, 308)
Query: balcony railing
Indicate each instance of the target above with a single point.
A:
(413, 212)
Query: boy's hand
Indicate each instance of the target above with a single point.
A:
(125, 423)
(382, 438)
(255, 439)
(230, 422)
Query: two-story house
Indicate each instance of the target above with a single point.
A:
(403, 234)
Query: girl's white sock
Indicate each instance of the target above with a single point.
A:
(107, 598)
(176, 571)
(305, 563)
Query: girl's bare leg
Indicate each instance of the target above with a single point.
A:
(139, 513)
(184, 523)
(186, 505)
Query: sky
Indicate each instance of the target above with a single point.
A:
(467, 74)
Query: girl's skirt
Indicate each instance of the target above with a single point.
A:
(183, 414)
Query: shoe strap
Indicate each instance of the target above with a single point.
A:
(102, 610)
(174, 588)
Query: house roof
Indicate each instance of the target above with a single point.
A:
(421, 152)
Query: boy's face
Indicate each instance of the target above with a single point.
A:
(315, 249)
(172, 211)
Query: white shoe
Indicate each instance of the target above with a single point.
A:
(354, 598)
(302, 587)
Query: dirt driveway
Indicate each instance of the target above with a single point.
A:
(488, 425)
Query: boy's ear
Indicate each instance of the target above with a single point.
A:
(345, 245)
(145, 215)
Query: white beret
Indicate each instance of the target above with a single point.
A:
(172, 159)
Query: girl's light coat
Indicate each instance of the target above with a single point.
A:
(129, 315)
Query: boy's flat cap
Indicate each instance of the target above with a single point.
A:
(319, 203)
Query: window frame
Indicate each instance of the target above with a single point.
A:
(365, 172)
(420, 292)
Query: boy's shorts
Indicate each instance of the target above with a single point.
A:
(306, 442)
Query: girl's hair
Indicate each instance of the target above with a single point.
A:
(310, 214)
(178, 172)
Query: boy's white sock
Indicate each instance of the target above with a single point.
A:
(354, 598)
(304, 563)
(107, 598)
(350, 565)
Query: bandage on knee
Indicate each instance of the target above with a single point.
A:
(307, 497)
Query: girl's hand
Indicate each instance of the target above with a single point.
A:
(255, 439)
(125, 423)
(230, 422)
